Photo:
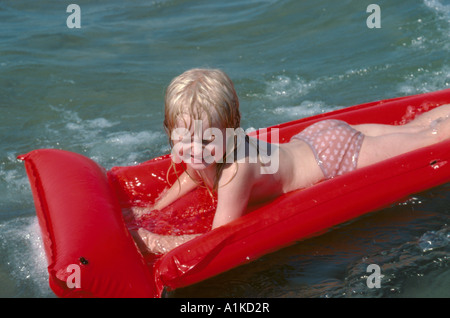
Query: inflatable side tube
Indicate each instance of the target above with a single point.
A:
(89, 250)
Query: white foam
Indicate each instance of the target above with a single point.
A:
(443, 10)
(284, 86)
(430, 78)
(13, 181)
(91, 124)
(305, 109)
(123, 148)
(432, 240)
(133, 138)
(424, 81)
(99, 139)
(11, 172)
(74, 122)
(23, 255)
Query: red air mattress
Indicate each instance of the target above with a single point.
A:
(91, 253)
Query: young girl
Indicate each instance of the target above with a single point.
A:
(322, 151)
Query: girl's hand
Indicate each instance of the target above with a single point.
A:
(161, 244)
(151, 240)
(140, 211)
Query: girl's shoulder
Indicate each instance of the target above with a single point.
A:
(239, 172)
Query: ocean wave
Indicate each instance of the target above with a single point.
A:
(283, 86)
(442, 10)
(23, 258)
(305, 109)
(13, 184)
(101, 139)
(430, 252)
(424, 81)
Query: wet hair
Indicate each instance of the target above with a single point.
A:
(199, 92)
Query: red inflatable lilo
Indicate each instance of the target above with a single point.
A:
(81, 209)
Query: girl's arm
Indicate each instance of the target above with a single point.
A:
(161, 244)
(182, 186)
(233, 194)
(232, 202)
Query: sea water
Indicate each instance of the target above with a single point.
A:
(98, 90)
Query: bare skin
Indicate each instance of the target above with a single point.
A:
(297, 169)
(385, 141)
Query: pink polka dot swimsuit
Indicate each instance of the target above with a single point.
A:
(335, 144)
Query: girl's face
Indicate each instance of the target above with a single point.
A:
(197, 144)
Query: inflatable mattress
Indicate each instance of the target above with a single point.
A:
(84, 216)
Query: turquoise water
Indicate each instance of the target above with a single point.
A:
(98, 90)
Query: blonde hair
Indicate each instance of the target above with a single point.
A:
(202, 91)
